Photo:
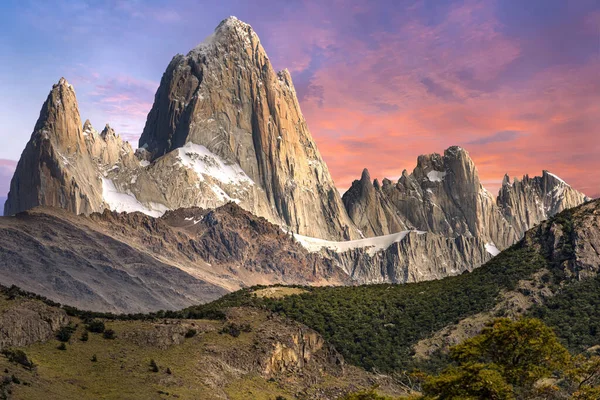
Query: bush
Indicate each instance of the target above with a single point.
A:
(109, 334)
(64, 333)
(18, 357)
(153, 366)
(235, 330)
(169, 371)
(84, 336)
(62, 346)
(190, 333)
(96, 326)
(94, 358)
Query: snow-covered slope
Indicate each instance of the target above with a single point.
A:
(373, 245)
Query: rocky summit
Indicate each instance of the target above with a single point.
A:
(224, 127)
(444, 195)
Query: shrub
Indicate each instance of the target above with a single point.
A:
(84, 336)
(169, 371)
(96, 326)
(18, 357)
(235, 330)
(94, 358)
(109, 334)
(62, 346)
(190, 333)
(153, 366)
(64, 333)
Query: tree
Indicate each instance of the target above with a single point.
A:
(503, 362)
(523, 351)
(469, 381)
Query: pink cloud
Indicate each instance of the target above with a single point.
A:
(385, 99)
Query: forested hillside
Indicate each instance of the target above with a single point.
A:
(376, 326)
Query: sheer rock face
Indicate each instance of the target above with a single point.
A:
(224, 127)
(443, 195)
(225, 95)
(43, 174)
(527, 202)
(370, 209)
(417, 257)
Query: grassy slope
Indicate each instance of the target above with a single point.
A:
(205, 366)
(123, 369)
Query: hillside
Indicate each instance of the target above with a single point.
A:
(249, 353)
(130, 263)
(384, 326)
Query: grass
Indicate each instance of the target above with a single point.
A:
(277, 292)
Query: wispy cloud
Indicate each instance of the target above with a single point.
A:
(498, 137)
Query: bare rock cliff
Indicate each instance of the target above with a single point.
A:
(224, 127)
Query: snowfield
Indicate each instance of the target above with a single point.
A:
(204, 162)
(375, 244)
(436, 176)
(126, 202)
(492, 249)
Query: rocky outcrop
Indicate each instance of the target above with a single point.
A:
(23, 322)
(442, 195)
(224, 127)
(527, 202)
(417, 257)
(370, 209)
(225, 96)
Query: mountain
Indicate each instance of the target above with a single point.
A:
(527, 202)
(131, 262)
(243, 354)
(552, 273)
(444, 195)
(224, 127)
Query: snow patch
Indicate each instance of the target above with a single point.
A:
(126, 202)
(204, 162)
(559, 179)
(492, 249)
(436, 176)
(375, 244)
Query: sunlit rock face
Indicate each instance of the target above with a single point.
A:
(225, 96)
(444, 195)
(224, 127)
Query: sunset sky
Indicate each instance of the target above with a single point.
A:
(516, 83)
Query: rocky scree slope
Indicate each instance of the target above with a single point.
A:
(132, 262)
(224, 127)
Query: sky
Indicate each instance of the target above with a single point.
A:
(516, 83)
